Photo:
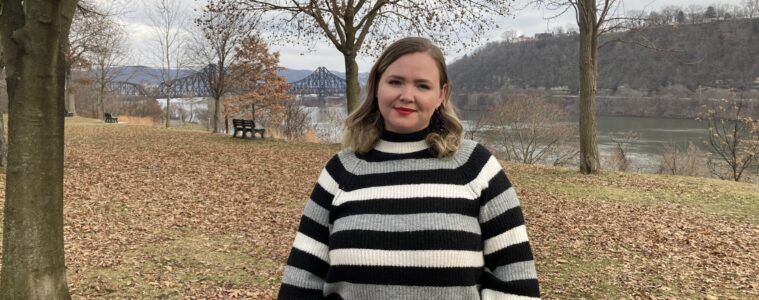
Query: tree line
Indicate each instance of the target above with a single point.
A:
(716, 54)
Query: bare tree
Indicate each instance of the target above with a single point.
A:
(620, 158)
(675, 161)
(527, 129)
(751, 8)
(221, 30)
(594, 19)
(695, 13)
(329, 125)
(108, 51)
(295, 119)
(34, 37)
(88, 27)
(366, 26)
(169, 22)
(84, 27)
(733, 138)
(477, 127)
(669, 13)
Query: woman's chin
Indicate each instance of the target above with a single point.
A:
(403, 129)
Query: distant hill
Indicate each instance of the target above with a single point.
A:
(722, 54)
(145, 75)
(294, 75)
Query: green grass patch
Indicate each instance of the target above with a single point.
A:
(734, 200)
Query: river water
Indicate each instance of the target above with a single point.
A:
(653, 134)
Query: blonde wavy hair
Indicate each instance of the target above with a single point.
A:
(363, 127)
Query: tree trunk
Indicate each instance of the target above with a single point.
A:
(216, 110)
(33, 256)
(69, 97)
(71, 106)
(3, 143)
(352, 88)
(101, 100)
(168, 111)
(253, 112)
(589, 160)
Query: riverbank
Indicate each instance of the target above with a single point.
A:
(637, 105)
(168, 213)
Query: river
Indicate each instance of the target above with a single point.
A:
(653, 134)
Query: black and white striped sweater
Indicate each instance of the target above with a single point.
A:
(398, 223)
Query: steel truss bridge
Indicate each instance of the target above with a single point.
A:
(321, 82)
(189, 86)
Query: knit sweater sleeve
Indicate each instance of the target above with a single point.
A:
(308, 263)
(509, 266)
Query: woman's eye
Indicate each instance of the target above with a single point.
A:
(424, 87)
(395, 82)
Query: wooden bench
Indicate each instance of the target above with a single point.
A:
(110, 119)
(246, 126)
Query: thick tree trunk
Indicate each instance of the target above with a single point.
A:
(33, 256)
(352, 88)
(589, 159)
(3, 143)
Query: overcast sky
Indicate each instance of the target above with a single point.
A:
(526, 21)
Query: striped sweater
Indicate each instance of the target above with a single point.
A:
(398, 223)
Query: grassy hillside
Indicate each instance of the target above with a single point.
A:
(165, 213)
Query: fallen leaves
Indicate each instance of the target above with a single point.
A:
(156, 213)
(647, 249)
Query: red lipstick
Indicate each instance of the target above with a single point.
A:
(404, 111)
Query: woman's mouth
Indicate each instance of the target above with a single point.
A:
(404, 111)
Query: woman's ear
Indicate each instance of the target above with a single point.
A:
(443, 92)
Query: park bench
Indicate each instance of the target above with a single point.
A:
(246, 126)
(110, 119)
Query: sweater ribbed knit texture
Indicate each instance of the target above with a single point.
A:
(399, 223)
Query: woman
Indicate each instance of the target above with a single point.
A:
(410, 210)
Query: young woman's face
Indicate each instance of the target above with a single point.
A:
(408, 93)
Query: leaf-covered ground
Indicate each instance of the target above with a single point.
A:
(163, 213)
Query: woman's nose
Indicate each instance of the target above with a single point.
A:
(407, 94)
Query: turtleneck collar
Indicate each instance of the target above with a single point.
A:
(401, 143)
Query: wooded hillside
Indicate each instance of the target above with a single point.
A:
(723, 54)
